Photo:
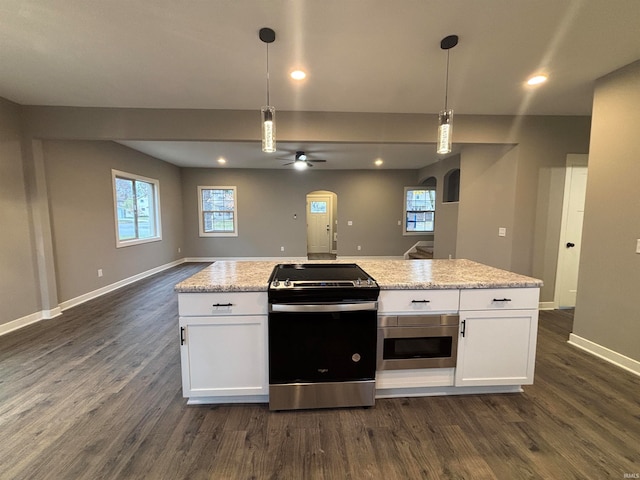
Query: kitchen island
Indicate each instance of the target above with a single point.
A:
(224, 316)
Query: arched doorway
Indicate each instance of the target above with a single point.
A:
(322, 225)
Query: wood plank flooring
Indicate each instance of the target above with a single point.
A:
(96, 394)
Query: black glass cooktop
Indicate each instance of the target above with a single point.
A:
(319, 272)
(322, 282)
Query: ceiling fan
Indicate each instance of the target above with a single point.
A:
(302, 160)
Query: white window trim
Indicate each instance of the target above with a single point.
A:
(201, 217)
(405, 232)
(156, 191)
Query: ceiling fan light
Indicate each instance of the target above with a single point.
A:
(268, 129)
(300, 165)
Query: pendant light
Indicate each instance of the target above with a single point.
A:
(268, 113)
(445, 118)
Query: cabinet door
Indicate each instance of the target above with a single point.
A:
(224, 356)
(496, 348)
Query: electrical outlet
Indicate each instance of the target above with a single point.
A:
(502, 232)
(179, 250)
(99, 272)
(359, 247)
(399, 223)
(349, 222)
(282, 249)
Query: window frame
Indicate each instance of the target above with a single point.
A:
(156, 210)
(201, 212)
(406, 232)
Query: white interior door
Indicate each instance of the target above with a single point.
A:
(571, 231)
(319, 221)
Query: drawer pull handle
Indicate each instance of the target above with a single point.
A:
(464, 327)
(501, 299)
(181, 335)
(420, 301)
(222, 305)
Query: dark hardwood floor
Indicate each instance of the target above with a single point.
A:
(96, 394)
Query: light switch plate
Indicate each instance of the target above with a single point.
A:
(502, 232)
(349, 222)
(638, 246)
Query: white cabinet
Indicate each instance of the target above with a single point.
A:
(497, 343)
(224, 357)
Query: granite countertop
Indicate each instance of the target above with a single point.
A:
(252, 276)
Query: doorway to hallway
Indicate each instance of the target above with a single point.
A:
(322, 235)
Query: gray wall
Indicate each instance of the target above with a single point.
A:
(268, 200)
(18, 278)
(607, 309)
(82, 214)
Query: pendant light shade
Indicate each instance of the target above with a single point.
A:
(268, 113)
(445, 118)
(268, 129)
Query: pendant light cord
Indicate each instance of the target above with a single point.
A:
(268, 75)
(446, 84)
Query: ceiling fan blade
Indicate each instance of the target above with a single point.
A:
(320, 160)
(309, 164)
(290, 163)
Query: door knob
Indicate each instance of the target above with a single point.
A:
(569, 244)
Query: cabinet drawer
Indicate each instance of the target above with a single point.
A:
(214, 304)
(412, 301)
(499, 298)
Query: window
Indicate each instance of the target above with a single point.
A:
(137, 209)
(318, 207)
(419, 210)
(217, 211)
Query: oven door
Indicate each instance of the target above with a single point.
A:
(322, 343)
(417, 347)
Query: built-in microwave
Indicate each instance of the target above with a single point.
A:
(417, 341)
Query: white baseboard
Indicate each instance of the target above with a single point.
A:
(546, 305)
(604, 353)
(48, 314)
(114, 286)
(28, 320)
(289, 259)
(246, 259)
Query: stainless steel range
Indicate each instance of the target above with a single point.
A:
(322, 336)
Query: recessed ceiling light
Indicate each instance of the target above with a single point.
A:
(378, 162)
(298, 75)
(537, 79)
(222, 161)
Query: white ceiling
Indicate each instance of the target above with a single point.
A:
(361, 56)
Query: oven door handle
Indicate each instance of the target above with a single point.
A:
(323, 307)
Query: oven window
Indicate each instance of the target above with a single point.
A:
(421, 347)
